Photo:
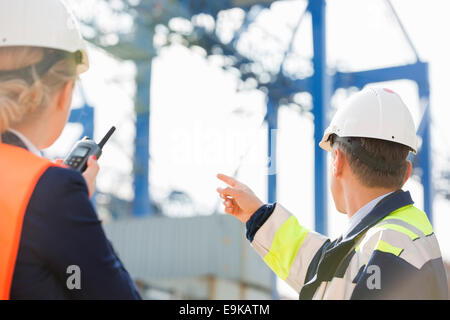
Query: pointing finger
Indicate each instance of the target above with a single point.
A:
(227, 179)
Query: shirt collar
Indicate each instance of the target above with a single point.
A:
(364, 211)
(30, 146)
(385, 206)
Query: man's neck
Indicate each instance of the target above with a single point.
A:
(360, 196)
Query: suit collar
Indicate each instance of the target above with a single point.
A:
(15, 138)
(10, 138)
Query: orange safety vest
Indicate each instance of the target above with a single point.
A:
(20, 171)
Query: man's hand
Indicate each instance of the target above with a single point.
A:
(239, 200)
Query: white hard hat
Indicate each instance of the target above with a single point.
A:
(373, 113)
(41, 23)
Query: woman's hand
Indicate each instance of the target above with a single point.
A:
(90, 174)
(239, 200)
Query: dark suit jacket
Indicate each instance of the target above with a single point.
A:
(60, 229)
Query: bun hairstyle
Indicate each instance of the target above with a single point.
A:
(29, 77)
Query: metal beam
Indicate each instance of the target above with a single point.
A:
(142, 201)
(85, 117)
(400, 24)
(272, 128)
(425, 159)
(321, 98)
(416, 72)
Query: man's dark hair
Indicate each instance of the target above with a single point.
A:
(375, 162)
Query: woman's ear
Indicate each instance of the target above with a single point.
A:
(64, 98)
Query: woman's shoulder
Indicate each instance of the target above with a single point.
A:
(61, 197)
(59, 184)
(56, 177)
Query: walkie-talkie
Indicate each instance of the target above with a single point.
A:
(85, 148)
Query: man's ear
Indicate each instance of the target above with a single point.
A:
(64, 96)
(408, 171)
(337, 162)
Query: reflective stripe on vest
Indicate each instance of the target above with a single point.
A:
(20, 170)
(413, 219)
(409, 235)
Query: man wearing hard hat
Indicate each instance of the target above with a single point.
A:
(390, 250)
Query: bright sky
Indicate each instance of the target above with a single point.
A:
(201, 125)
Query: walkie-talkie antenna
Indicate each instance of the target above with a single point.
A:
(106, 138)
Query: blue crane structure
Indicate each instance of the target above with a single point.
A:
(321, 85)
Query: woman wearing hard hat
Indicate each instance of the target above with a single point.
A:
(389, 250)
(52, 245)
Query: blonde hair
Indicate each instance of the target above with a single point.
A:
(20, 100)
